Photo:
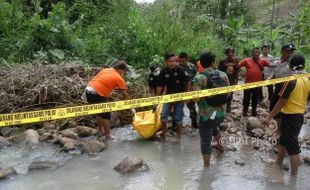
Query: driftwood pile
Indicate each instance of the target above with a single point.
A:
(37, 86)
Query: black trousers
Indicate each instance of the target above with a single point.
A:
(270, 91)
(251, 95)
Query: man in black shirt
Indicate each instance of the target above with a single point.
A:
(152, 78)
(191, 70)
(172, 79)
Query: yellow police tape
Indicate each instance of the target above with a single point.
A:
(76, 111)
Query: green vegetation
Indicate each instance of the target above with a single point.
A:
(94, 31)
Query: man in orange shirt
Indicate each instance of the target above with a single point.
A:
(99, 88)
(254, 73)
(199, 67)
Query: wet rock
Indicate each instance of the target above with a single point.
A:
(65, 124)
(232, 130)
(92, 147)
(29, 138)
(187, 130)
(46, 137)
(236, 114)
(223, 126)
(84, 131)
(285, 167)
(231, 147)
(115, 121)
(126, 116)
(42, 131)
(258, 132)
(49, 125)
(267, 160)
(7, 131)
(7, 172)
(69, 133)
(307, 160)
(41, 165)
(67, 143)
(4, 142)
(229, 119)
(256, 146)
(69, 146)
(253, 123)
(240, 162)
(307, 115)
(131, 165)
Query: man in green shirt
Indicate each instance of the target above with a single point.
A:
(210, 116)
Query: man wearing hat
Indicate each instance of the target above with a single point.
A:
(292, 105)
(281, 70)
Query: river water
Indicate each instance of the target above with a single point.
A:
(172, 166)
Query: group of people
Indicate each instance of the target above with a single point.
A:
(287, 100)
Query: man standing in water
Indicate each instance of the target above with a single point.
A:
(99, 88)
(229, 65)
(292, 104)
(281, 70)
(210, 116)
(175, 80)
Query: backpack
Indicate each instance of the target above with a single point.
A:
(216, 80)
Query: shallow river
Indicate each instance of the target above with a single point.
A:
(172, 166)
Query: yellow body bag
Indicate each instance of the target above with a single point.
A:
(147, 123)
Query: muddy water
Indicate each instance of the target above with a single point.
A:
(172, 166)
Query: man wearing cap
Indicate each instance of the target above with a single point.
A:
(292, 104)
(99, 88)
(281, 70)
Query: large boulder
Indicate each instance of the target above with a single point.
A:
(69, 133)
(253, 123)
(67, 143)
(29, 138)
(92, 147)
(3, 142)
(84, 131)
(6, 172)
(131, 165)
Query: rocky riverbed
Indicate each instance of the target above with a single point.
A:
(52, 145)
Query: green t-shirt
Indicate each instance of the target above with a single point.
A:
(205, 110)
